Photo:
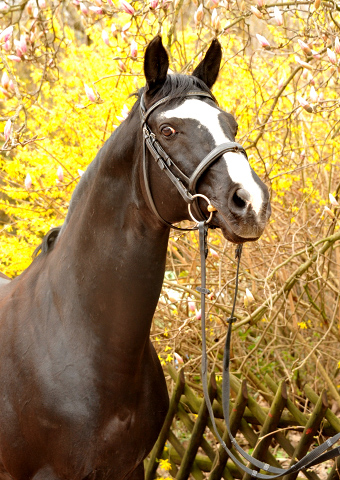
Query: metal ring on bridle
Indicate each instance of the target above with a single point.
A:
(208, 202)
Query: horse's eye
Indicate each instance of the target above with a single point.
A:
(168, 131)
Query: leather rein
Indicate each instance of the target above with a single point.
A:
(186, 186)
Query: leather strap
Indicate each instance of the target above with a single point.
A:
(185, 186)
(214, 155)
(313, 458)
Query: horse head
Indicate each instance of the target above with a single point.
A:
(186, 128)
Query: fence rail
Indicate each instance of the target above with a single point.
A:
(256, 425)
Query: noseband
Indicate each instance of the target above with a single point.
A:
(186, 186)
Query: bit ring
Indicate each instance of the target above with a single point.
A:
(208, 202)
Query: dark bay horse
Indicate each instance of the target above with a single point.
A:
(82, 393)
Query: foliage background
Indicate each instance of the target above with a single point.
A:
(285, 97)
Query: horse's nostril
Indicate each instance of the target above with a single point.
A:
(241, 197)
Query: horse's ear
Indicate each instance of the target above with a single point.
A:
(207, 70)
(156, 64)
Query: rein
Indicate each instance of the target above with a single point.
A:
(314, 457)
(186, 186)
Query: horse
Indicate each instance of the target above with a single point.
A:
(82, 391)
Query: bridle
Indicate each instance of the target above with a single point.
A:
(186, 186)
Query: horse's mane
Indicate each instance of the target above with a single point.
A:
(175, 86)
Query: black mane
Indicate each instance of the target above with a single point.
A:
(177, 86)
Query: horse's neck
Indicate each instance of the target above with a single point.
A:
(114, 251)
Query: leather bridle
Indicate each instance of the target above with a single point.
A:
(186, 186)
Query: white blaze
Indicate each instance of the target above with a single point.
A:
(238, 167)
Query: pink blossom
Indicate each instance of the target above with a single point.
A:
(5, 80)
(127, 7)
(6, 34)
(331, 56)
(97, 10)
(110, 2)
(213, 253)
(198, 314)
(278, 16)
(42, 4)
(121, 66)
(23, 43)
(7, 46)
(114, 30)
(60, 174)
(21, 46)
(8, 129)
(263, 41)
(28, 182)
(333, 200)
(178, 358)
(313, 95)
(337, 45)
(304, 104)
(11, 86)
(90, 93)
(153, 4)
(3, 7)
(133, 49)
(256, 12)
(198, 15)
(249, 298)
(304, 47)
(215, 20)
(105, 38)
(83, 9)
(18, 49)
(15, 58)
(302, 63)
(315, 54)
(192, 306)
(126, 27)
(329, 212)
(29, 8)
(5, 92)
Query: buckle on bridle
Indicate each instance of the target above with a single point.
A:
(206, 291)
